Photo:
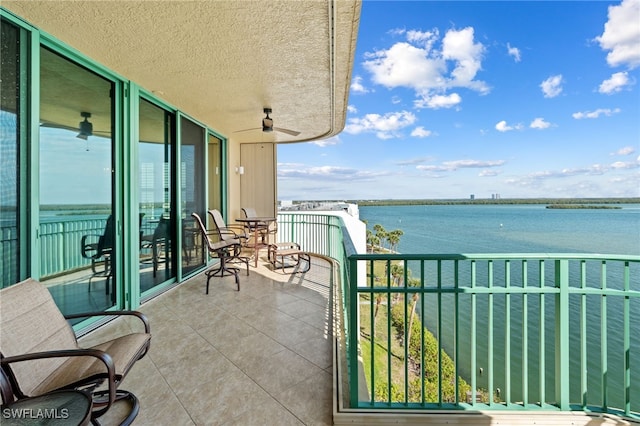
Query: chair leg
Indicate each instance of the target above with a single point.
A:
(99, 400)
(222, 271)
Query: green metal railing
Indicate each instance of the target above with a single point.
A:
(521, 331)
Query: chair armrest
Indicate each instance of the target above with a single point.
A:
(140, 315)
(86, 247)
(225, 244)
(238, 231)
(104, 357)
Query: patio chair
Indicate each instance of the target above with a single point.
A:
(74, 405)
(159, 244)
(264, 229)
(39, 352)
(99, 248)
(226, 249)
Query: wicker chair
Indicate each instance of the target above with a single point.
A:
(40, 354)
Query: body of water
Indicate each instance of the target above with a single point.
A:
(466, 229)
(510, 228)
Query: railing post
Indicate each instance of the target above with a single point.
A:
(562, 334)
(354, 334)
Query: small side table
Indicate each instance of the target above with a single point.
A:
(288, 255)
(64, 408)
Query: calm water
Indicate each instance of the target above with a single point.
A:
(525, 229)
(510, 228)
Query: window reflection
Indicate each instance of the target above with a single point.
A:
(77, 222)
(192, 192)
(156, 156)
(10, 244)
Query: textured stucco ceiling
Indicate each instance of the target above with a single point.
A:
(221, 62)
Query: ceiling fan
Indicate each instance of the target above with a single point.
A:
(267, 125)
(85, 127)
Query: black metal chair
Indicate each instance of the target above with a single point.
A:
(39, 352)
(99, 249)
(226, 249)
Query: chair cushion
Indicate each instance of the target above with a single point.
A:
(124, 352)
(31, 322)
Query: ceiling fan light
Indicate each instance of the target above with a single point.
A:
(267, 124)
(86, 127)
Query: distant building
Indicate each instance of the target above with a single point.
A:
(473, 197)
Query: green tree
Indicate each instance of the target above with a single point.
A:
(393, 238)
(380, 232)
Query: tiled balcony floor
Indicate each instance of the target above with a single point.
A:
(259, 356)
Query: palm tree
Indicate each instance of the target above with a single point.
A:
(397, 272)
(381, 233)
(393, 238)
(412, 283)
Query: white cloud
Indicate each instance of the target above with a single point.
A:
(413, 161)
(417, 64)
(488, 173)
(384, 126)
(421, 132)
(352, 109)
(335, 140)
(332, 173)
(405, 65)
(627, 150)
(438, 101)
(539, 123)
(502, 126)
(450, 166)
(552, 86)
(614, 84)
(473, 163)
(593, 170)
(621, 36)
(426, 39)
(513, 51)
(625, 165)
(595, 114)
(459, 46)
(357, 86)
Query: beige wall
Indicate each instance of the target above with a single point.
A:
(258, 183)
(257, 186)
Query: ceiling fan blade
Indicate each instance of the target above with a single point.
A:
(287, 131)
(248, 130)
(58, 126)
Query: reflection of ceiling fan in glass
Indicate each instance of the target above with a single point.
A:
(267, 125)
(84, 129)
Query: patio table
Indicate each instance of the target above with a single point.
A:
(255, 222)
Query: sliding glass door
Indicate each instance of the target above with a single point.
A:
(192, 193)
(13, 119)
(156, 195)
(78, 224)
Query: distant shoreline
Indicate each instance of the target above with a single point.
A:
(549, 201)
(581, 206)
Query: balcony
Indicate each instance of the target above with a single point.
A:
(231, 357)
(284, 347)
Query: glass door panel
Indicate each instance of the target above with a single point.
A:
(77, 221)
(13, 238)
(157, 229)
(192, 193)
(214, 168)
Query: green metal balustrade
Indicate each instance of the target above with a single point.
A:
(513, 331)
(523, 331)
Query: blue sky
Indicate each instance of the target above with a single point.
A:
(452, 98)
